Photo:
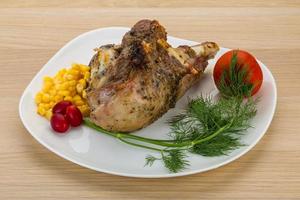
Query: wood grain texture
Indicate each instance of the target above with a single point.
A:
(32, 31)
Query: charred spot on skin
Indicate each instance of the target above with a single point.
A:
(137, 55)
(152, 108)
(102, 73)
(156, 83)
(88, 89)
(132, 110)
(107, 46)
(143, 83)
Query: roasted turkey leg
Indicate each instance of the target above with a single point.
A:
(135, 83)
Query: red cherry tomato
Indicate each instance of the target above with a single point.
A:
(73, 115)
(59, 123)
(61, 107)
(246, 62)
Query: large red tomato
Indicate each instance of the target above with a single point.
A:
(244, 62)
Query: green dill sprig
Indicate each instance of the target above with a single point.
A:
(208, 117)
(232, 82)
(174, 160)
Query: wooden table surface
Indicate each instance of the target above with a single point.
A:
(32, 31)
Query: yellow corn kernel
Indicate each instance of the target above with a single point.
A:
(84, 94)
(79, 103)
(64, 92)
(75, 66)
(82, 82)
(50, 83)
(40, 93)
(47, 86)
(69, 77)
(68, 98)
(47, 106)
(72, 83)
(65, 76)
(46, 98)
(72, 88)
(76, 98)
(73, 93)
(52, 92)
(52, 103)
(79, 88)
(84, 109)
(74, 72)
(65, 85)
(48, 114)
(41, 111)
(52, 98)
(42, 105)
(84, 68)
(56, 86)
(60, 92)
(47, 79)
(38, 98)
(61, 72)
(87, 75)
(58, 80)
(58, 98)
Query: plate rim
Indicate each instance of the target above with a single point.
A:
(183, 173)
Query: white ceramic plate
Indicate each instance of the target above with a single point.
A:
(100, 152)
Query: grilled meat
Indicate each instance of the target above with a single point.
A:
(136, 82)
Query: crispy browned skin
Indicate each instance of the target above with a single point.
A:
(135, 83)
